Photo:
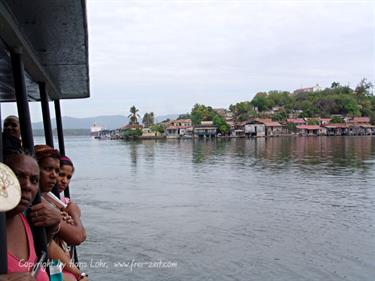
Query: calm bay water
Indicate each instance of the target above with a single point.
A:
(278, 209)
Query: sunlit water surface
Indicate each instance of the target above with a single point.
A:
(289, 208)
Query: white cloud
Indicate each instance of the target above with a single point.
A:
(164, 56)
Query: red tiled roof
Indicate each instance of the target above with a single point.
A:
(303, 90)
(182, 121)
(267, 122)
(177, 127)
(361, 120)
(243, 123)
(296, 120)
(337, 125)
(367, 126)
(220, 111)
(263, 120)
(205, 127)
(272, 124)
(308, 127)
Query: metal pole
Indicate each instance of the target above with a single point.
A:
(60, 133)
(3, 246)
(39, 233)
(47, 123)
(60, 136)
(1, 138)
(46, 116)
(3, 231)
(22, 102)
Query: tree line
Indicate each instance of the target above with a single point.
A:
(336, 100)
(278, 105)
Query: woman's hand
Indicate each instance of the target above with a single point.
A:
(73, 234)
(66, 217)
(44, 214)
(73, 209)
(17, 276)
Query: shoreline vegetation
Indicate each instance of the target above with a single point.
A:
(313, 111)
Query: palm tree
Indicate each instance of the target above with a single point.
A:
(133, 116)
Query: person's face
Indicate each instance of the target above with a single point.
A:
(49, 172)
(27, 172)
(65, 175)
(12, 127)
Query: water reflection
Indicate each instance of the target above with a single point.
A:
(133, 152)
(149, 147)
(203, 150)
(296, 208)
(329, 153)
(315, 154)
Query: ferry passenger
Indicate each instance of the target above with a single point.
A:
(20, 243)
(65, 175)
(12, 126)
(72, 232)
(11, 136)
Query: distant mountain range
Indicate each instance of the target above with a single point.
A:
(107, 121)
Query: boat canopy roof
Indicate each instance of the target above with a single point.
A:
(53, 39)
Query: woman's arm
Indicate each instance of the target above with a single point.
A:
(73, 234)
(56, 252)
(17, 276)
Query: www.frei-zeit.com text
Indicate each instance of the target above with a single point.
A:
(125, 265)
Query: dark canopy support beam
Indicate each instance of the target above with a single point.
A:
(22, 102)
(46, 115)
(40, 237)
(47, 123)
(3, 245)
(1, 139)
(60, 133)
(3, 232)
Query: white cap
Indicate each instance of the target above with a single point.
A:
(10, 189)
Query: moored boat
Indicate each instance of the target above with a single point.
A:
(95, 131)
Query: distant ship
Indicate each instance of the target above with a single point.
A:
(95, 130)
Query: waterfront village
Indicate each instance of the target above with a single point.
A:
(312, 111)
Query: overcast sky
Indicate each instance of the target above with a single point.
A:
(164, 56)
